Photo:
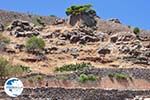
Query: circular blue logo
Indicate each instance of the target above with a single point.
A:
(13, 87)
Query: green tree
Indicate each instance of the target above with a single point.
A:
(35, 44)
(79, 9)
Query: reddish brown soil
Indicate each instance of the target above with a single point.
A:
(104, 83)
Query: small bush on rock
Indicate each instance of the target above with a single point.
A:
(35, 44)
(79, 9)
(136, 30)
(40, 22)
(84, 78)
(119, 76)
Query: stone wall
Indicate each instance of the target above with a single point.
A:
(138, 73)
(76, 94)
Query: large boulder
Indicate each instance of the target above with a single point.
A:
(32, 33)
(75, 38)
(83, 19)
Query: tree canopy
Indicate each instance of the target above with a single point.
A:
(79, 9)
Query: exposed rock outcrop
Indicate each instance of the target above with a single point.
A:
(144, 36)
(122, 36)
(82, 19)
(21, 28)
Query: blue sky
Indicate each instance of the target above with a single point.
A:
(130, 12)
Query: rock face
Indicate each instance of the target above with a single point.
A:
(82, 19)
(132, 48)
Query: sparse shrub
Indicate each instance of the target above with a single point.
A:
(111, 75)
(79, 9)
(39, 78)
(136, 30)
(129, 26)
(35, 44)
(15, 70)
(52, 15)
(3, 68)
(6, 69)
(31, 80)
(73, 67)
(22, 68)
(84, 78)
(92, 77)
(40, 22)
(36, 79)
(119, 76)
(3, 41)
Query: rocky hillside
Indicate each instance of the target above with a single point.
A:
(80, 47)
(108, 44)
(8, 16)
